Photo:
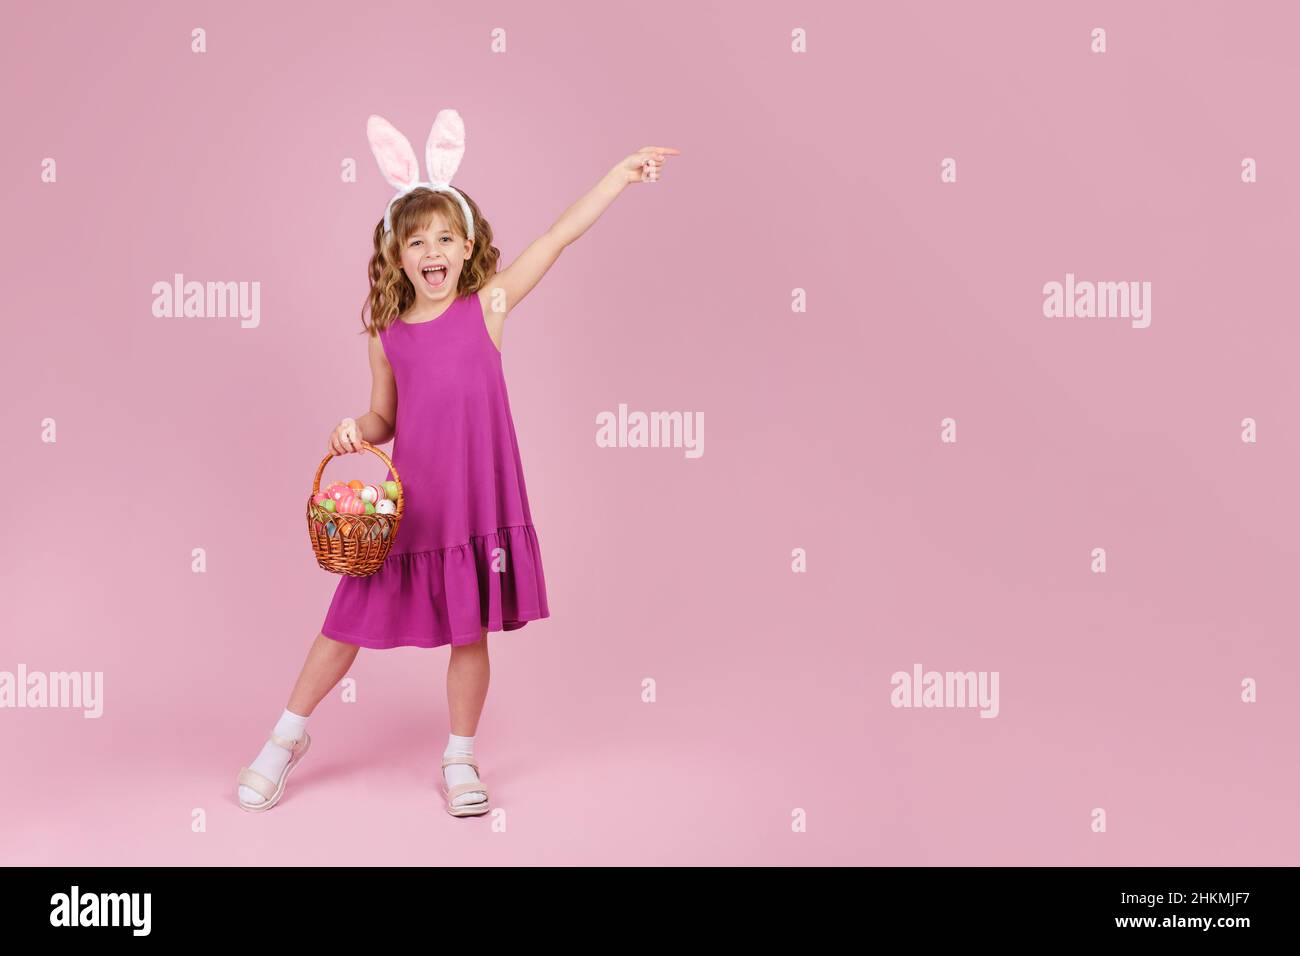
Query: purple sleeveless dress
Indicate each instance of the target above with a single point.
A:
(466, 554)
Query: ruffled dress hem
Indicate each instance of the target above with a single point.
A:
(456, 640)
(444, 595)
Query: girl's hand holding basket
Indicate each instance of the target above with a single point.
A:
(352, 525)
(345, 438)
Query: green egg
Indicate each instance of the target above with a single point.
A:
(390, 489)
(328, 504)
(370, 509)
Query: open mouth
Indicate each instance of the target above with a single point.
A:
(435, 276)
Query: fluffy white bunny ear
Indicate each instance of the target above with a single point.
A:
(445, 147)
(393, 151)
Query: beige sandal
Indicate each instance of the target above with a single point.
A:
(272, 790)
(468, 809)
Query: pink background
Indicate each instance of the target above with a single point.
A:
(817, 171)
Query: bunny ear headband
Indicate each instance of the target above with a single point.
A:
(398, 162)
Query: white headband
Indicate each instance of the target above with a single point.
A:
(400, 166)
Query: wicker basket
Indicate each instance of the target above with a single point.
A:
(352, 544)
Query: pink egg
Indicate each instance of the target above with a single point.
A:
(340, 494)
(320, 497)
(352, 506)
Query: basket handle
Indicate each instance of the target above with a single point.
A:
(365, 446)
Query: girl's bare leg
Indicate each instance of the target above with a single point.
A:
(467, 685)
(327, 662)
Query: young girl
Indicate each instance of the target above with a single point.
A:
(466, 558)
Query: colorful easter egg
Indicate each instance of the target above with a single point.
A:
(331, 529)
(320, 498)
(340, 493)
(387, 507)
(328, 504)
(371, 493)
(370, 509)
(390, 490)
(356, 485)
(352, 506)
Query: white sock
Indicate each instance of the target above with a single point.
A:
(270, 763)
(462, 772)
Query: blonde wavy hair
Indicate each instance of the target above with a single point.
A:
(391, 292)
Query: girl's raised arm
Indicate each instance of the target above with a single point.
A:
(518, 279)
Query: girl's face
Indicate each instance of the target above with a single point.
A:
(433, 258)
